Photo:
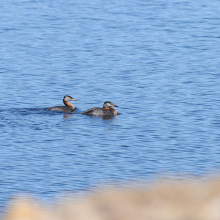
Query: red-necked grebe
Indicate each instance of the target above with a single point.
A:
(105, 111)
(68, 106)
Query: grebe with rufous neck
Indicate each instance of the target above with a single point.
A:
(68, 106)
(107, 110)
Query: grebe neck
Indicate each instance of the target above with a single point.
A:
(68, 104)
(111, 109)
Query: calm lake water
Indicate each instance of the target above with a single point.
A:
(157, 60)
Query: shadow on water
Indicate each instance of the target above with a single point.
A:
(106, 117)
(99, 121)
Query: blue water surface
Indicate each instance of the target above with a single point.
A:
(157, 60)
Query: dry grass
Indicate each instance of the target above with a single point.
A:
(163, 201)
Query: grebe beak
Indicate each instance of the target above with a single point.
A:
(74, 99)
(115, 106)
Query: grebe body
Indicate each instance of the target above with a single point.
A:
(107, 110)
(68, 106)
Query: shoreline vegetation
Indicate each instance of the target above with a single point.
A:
(163, 200)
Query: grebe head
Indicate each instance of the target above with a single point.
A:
(109, 104)
(69, 98)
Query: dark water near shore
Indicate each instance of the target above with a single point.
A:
(157, 60)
